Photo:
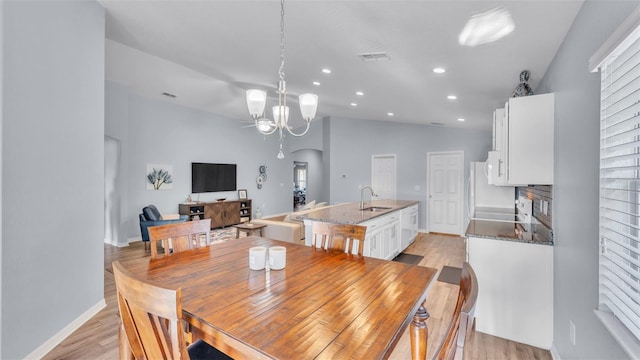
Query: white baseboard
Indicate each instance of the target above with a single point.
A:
(55, 340)
(129, 240)
(554, 353)
(134, 239)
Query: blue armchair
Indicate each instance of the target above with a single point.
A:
(151, 217)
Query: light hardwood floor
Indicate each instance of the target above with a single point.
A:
(97, 339)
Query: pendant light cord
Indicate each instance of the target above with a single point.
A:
(281, 70)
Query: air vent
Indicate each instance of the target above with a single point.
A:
(378, 56)
(437, 123)
(168, 94)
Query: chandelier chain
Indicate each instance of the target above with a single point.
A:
(281, 70)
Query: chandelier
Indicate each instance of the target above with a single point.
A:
(257, 100)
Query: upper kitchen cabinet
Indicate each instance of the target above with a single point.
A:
(496, 163)
(529, 121)
(527, 154)
(498, 130)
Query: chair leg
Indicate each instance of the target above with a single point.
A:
(123, 345)
(146, 246)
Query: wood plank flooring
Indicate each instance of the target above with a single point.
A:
(97, 338)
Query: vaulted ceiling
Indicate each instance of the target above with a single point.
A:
(208, 53)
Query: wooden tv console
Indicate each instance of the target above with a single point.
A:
(221, 213)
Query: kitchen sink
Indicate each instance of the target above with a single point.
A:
(375, 208)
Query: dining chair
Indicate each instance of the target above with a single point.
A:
(462, 319)
(151, 321)
(178, 237)
(341, 237)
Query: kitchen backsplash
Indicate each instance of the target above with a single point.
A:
(539, 194)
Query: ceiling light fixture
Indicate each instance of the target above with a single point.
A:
(452, 97)
(257, 99)
(390, 114)
(359, 93)
(439, 70)
(354, 104)
(486, 27)
(316, 83)
(460, 119)
(326, 71)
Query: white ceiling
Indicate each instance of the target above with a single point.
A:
(209, 53)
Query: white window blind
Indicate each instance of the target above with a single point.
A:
(620, 184)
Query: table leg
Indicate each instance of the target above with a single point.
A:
(419, 334)
(260, 232)
(237, 233)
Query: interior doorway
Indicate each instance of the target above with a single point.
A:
(445, 174)
(300, 183)
(112, 191)
(383, 176)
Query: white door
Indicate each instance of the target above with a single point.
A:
(383, 176)
(445, 192)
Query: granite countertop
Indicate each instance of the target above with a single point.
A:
(510, 231)
(350, 213)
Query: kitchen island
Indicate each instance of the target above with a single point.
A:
(513, 262)
(391, 224)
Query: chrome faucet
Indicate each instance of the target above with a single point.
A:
(362, 195)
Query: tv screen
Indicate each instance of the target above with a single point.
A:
(212, 177)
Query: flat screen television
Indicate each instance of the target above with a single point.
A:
(212, 177)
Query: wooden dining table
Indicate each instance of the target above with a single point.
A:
(324, 305)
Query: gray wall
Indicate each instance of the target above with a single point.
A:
(52, 168)
(1, 152)
(159, 132)
(353, 142)
(576, 180)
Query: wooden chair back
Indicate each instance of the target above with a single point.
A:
(462, 320)
(151, 318)
(340, 237)
(178, 237)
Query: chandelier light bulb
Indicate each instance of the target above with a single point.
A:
(281, 122)
(308, 106)
(256, 101)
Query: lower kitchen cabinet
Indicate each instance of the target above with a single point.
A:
(408, 226)
(515, 297)
(382, 239)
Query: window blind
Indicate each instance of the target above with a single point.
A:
(619, 275)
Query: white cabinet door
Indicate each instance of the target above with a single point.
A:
(409, 226)
(374, 238)
(515, 298)
(530, 122)
(394, 239)
(390, 238)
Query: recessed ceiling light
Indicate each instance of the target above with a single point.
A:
(452, 97)
(316, 83)
(389, 114)
(354, 104)
(460, 119)
(326, 71)
(359, 93)
(439, 70)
